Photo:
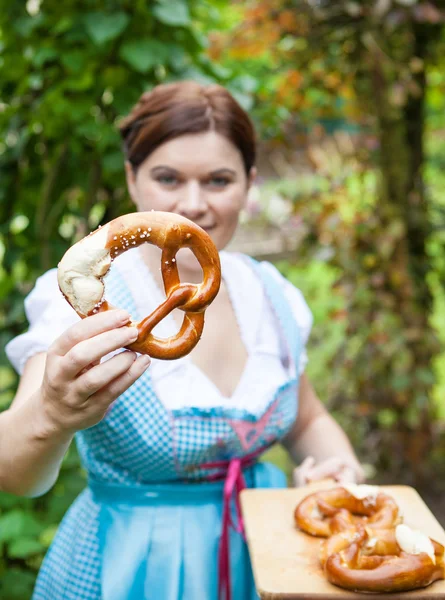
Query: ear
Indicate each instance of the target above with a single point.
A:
(131, 181)
(252, 176)
(250, 181)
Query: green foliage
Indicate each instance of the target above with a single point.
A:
(317, 280)
(434, 175)
(172, 12)
(377, 65)
(312, 61)
(362, 360)
(27, 527)
(68, 71)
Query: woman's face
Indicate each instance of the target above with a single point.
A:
(200, 176)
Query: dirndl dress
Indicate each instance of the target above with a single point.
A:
(159, 519)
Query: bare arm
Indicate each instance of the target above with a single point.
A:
(61, 392)
(319, 439)
(30, 458)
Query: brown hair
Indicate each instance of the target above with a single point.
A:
(185, 107)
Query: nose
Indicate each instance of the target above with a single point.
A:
(192, 202)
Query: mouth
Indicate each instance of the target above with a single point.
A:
(207, 228)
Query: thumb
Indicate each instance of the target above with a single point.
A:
(301, 473)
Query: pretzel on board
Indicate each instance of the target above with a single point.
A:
(395, 560)
(366, 547)
(318, 513)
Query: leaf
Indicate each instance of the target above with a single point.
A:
(12, 524)
(102, 27)
(43, 55)
(17, 522)
(220, 72)
(112, 162)
(115, 76)
(88, 130)
(425, 376)
(5, 399)
(353, 8)
(172, 12)
(401, 382)
(26, 25)
(246, 83)
(16, 584)
(144, 54)
(74, 61)
(387, 417)
(177, 57)
(63, 24)
(25, 547)
(48, 535)
(80, 83)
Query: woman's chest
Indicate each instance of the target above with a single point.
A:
(221, 354)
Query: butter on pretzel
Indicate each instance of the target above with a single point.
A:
(395, 560)
(366, 548)
(83, 267)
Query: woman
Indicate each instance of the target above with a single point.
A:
(158, 443)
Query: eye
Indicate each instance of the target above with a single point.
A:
(167, 179)
(218, 182)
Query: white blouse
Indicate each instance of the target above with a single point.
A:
(180, 383)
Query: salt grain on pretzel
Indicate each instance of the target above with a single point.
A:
(83, 267)
(316, 512)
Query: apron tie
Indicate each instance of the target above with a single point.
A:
(232, 472)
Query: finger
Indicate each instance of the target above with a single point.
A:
(90, 366)
(351, 474)
(93, 349)
(104, 373)
(89, 327)
(301, 472)
(118, 386)
(299, 478)
(326, 468)
(361, 475)
(346, 475)
(307, 464)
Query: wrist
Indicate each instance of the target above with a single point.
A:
(46, 426)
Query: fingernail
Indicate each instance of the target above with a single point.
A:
(133, 334)
(144, 360)
(122, 316)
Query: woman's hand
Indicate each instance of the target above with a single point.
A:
(77, 389)
(336, 468)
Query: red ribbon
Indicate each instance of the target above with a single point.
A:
(234, 483)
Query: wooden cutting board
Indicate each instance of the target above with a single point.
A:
(285, 560)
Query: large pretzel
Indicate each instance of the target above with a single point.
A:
(380, 542)
(317, 514)
(82, 268)
(396, 560)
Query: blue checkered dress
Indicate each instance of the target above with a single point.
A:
(148, 524)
